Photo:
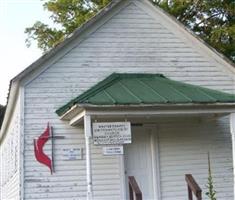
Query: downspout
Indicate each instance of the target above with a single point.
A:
(88, 136)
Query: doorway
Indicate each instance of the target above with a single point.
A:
(140, 162)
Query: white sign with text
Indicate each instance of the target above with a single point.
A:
(114, 150)
(72, 154)
(112, 133)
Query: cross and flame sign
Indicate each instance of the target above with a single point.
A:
(40, 142)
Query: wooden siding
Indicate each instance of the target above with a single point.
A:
(69, 180)
(10, 162)
(131, 41)
(183, 147)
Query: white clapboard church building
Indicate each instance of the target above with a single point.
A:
(130, 97)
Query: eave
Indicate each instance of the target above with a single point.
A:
(76, 114)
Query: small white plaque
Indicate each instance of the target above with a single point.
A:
(112, 133)
(72, 154)
(114, 150)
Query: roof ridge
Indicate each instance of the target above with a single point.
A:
(138, 75)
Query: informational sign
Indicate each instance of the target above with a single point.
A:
(72, 154)
(112, 133)
(113, 150)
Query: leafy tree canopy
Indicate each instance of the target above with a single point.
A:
(67, 15)
(212, 20)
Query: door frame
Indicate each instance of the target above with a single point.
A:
(155, 160)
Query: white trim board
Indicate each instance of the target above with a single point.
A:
(95, 114)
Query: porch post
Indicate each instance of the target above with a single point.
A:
(232, 129)
(88, 135)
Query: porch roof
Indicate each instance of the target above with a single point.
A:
(146, 89)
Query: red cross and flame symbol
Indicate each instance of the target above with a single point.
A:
(38, 148)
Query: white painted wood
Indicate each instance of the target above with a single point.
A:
(123, 176)
(157, 160)
(232, 129)
(88, 136)
(155, 163)
(175, 26)
(135, 11)
(128, 40)
(78, 118)
(138, 161)
(10, 158)
(87, 126)
(183, 147)
(156, 112)
(21, 144)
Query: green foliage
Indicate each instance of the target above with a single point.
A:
(210, 184)
(213, 21)
(46, 37)
(67, 15)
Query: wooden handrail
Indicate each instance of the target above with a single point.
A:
(134, 190)
(193, 187)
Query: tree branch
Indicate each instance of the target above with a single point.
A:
(202, 21)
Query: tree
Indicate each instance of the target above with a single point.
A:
(67, 15)
(212, 20)
(2, 112)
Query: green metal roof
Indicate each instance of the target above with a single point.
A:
(133, 89)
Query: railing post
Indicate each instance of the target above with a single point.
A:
(134, 190)
(199, 196)
(193, 188)
(190, 195)
(130, 192)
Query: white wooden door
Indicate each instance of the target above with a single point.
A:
(138, 162)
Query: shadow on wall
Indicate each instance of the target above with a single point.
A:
(2, 112)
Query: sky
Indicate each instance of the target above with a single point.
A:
(15, 16)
